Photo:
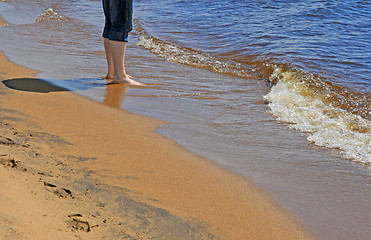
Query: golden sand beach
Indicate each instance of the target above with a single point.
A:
(72, 168)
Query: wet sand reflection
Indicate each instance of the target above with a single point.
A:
(114, 94)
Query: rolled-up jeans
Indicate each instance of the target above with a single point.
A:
(118, 19)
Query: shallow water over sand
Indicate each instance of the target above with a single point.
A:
(221, 116)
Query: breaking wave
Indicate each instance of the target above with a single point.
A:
(334, 116)
(192, 57)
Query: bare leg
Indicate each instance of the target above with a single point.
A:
(110, 73)
(117, 50)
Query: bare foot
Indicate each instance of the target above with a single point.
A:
(111, 77)
(106, 77)
(127, 80)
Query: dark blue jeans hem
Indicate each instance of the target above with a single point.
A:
(116, 36)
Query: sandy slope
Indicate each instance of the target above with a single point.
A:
(73, 168)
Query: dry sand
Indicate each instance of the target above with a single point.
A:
(71, 168)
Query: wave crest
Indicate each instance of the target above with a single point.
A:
(51, 15)
(192, 57)
(330, 117)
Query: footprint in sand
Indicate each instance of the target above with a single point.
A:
(60, 192)
(7, 141)
(78, 222)
(7, 161)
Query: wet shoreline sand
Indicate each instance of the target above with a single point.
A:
(2, 22)
(87, 170)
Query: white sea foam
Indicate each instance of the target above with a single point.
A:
(326, 125)
(50, 15)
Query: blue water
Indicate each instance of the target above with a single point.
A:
(330, 38)
(317, 52)
(277, 91)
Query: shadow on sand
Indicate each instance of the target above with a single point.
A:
(33, 85)
(113, 95)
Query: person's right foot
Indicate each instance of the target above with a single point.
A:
(127, 80)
